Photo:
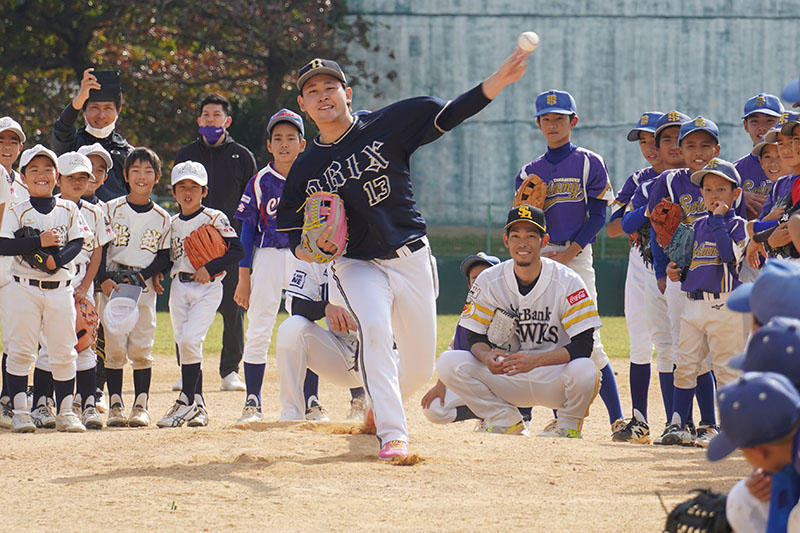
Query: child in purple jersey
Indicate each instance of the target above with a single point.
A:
(706, 322)
(578, 192)
(761, 112)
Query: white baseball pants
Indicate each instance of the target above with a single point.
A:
(192, 308)
(136, 346)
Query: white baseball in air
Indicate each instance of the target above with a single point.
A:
(528, 41)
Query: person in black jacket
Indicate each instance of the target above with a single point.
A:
(229, 166)
(100, 107)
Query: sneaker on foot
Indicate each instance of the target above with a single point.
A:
(553, 424)
(91, 418)
(77, 401)
(316, 412)
(561, 433)
(357, 407)
(705, 434)
(178, 385)
(69, 423)
(139, 417)
(676, 435)
(520, 428)
(618, 424)
(44, 416)
(22, 423)
(232, 382)
(177, 415)
(117, 417)
(392, 449)
(250, 413)
(100, 401)
(634, 431)
(6, 412)
(200, 420)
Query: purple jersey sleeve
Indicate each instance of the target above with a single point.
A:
(753, 178)
(707, 272)
(780, 189)
(628, 189)
(247, 210)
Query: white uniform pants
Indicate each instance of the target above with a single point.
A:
(583, 266)
(708, 325)
(444, 414)
(272, 268)
(136, 346)
(392, 301)
(655, 312)
(569, 388)
(641, 345)
(35, 311)
(743, 511)
(192, 308)
(303, 344)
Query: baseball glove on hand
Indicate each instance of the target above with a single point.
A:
(86, 323)
(641, 239)
(665, 218)
(532, 191)
(129, 276)
(681, 247)
(324, 210)
(204, 245)
(705, 513)
(502, 332)
(37, 258)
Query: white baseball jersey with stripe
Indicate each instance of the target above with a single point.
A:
(137, 236)
(182, 228)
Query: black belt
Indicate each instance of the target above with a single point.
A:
(185, 277)
(412, 246)
(701, 295)
(44, 285)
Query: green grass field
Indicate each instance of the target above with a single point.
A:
(614, 334)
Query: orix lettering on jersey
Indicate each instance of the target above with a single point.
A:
(369, 160)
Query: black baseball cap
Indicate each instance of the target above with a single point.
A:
(319, 66)
(526, 213)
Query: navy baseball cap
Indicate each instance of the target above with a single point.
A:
(787, 122)
(286, 115)
(699, 123)
(319, 66)
(758, 408)
(768, 104)
(775, 292)
(719, 167)
(647, 122)
(526, 213)
(671, 118)
(775, 347)
(560, 102)
(791, 93)
(476, 259)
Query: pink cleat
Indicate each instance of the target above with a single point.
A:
(392, 449)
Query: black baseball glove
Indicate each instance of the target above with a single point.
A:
(705, 513)
(36, 258)
(129, 276)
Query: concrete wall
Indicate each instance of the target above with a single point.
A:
(617, 58)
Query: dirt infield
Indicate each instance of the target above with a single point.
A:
(314, 476)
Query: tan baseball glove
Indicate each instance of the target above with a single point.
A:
(533, 191)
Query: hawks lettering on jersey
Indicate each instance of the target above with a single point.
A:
(137, 236)
(181, 228)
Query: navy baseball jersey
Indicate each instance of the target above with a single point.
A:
(580, 175)
(259, 204)
(753, 178)
(626, 193)
(719, 245)
(368, 167)
(780, 190)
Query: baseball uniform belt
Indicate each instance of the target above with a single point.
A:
(412, 246)
(44, 285)
(185, 277)
(560, 243)
(702, 295)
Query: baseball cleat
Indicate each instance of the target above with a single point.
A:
(316, 412)
(6, 412)
(634, 431)
(561, 433)
(704, 435)
(139, 417)
(520, 428)
(200, 420)
(676, 435)
(392, 449)
(44, 415)
(100, 401)
(22, 423)
(232, 382)
(357, 407)
(177, 415)
(250, 413)
(553, 424)
(117, 417)
(76, 403)
(70, 423)
(91, 418)
(618, 425)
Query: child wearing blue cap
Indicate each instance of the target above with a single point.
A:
(706, 323)
(578, 192)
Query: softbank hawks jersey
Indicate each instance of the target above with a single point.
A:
(558, 308)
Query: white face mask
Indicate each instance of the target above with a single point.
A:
(100, 133)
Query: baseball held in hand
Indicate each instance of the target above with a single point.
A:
(528, 41)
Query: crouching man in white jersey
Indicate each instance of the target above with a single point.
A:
(556, 319)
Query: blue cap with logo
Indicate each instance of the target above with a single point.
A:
(775, 292)
(671, 118)
(768, 104)
(647, 122)
(286, 115)
(791, 93)
(699, 123)
(718, 167)
(758, 408)
(787, 122)
(560, 102)
(775, 347)
(476, 259)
